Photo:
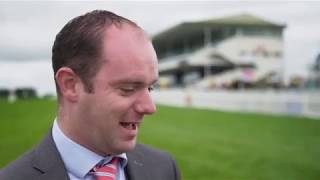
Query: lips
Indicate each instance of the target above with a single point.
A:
(130, 125)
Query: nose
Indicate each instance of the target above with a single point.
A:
(144, 104)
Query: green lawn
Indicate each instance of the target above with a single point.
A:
(206, 144)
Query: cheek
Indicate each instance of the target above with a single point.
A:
(114, 108)
(121, 103)
(110, 107)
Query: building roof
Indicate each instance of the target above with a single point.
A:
(187, 28)
(242, 19)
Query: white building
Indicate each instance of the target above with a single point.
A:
(221, 52)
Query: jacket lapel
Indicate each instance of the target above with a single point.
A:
(47, 160)
(135, 169)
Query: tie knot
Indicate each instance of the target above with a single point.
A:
(106, 171)
(114, 161)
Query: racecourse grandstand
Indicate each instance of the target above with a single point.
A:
(224, 52)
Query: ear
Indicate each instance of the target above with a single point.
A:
(68, 83)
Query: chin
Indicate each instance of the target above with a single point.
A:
(130, 146)
(125, 147)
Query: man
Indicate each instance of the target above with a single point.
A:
(105, 67)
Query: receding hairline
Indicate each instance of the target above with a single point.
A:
(138, 32)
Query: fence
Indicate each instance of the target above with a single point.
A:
(298, 103)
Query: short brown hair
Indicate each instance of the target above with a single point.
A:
(78, 45)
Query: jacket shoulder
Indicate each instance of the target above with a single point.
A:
(158, 162)
(151, 151)
(43, 162)
(19, 169)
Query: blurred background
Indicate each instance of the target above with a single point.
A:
(209, 46)
(243, 76)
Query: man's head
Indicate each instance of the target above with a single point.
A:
(105, 84)
(79, 44)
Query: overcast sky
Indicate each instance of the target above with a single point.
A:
(27, 30)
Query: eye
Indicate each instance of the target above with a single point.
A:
(127, 89)
(151, 88)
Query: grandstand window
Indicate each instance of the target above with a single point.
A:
(261, 31)
(277, 54)
(266, 54)
(243, 53)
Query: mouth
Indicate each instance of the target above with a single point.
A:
(130, 125)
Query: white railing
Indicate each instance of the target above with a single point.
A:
(298, 103)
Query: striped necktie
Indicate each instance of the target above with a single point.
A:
(107, 171)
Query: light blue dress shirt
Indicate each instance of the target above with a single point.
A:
(80, 160)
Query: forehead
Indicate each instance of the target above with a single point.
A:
(128, 53)
(124, 40)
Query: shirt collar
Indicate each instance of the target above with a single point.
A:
(78, 159)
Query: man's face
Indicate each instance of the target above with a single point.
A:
(121, 97)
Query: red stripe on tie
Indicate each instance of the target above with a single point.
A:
(108, 171)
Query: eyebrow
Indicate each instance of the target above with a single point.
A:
(133, 82)
(154, 81)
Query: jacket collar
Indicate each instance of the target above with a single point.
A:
(135, 169)
(47, 160)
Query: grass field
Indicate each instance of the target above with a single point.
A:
(206, 144)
